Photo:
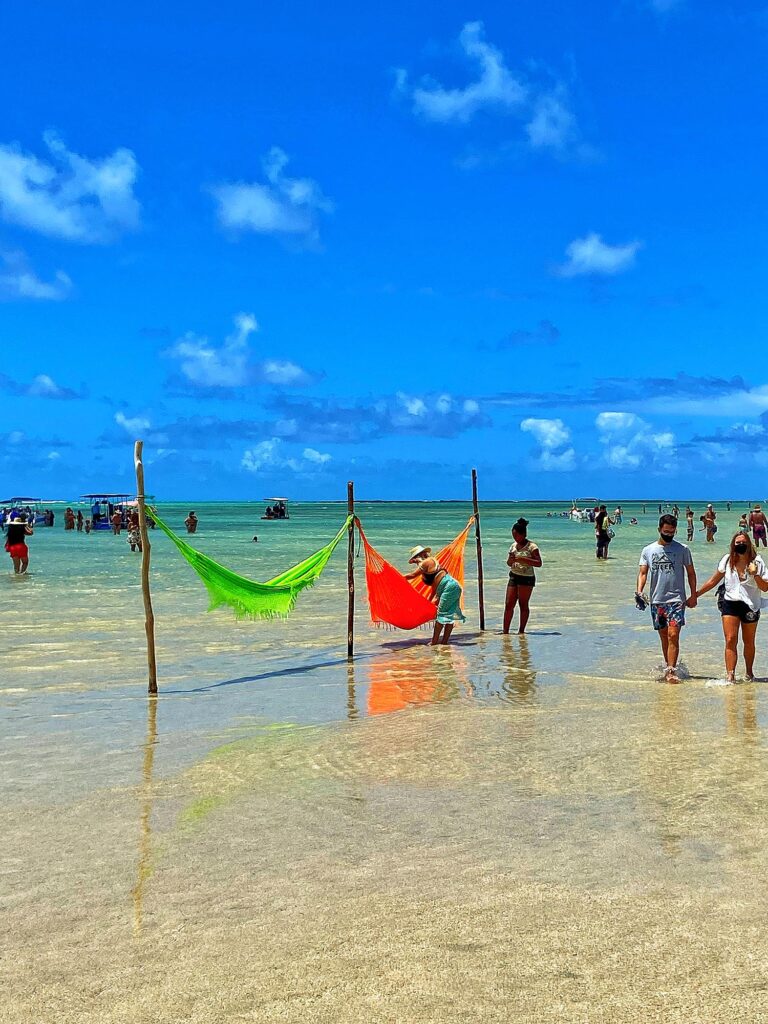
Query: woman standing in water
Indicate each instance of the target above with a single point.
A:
(16, 543)
(746, 580)
(524, 558)
(603, 534)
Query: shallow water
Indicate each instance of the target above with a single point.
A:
(515, 827)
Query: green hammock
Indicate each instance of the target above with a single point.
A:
(248, 599)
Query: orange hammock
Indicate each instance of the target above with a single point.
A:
(396, 601)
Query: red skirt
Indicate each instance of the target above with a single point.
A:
(17, 550)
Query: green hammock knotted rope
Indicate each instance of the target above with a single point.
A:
(248, 599)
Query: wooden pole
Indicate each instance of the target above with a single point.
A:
(351, 574)
(149, 615)
(479, 542)
(144, 867)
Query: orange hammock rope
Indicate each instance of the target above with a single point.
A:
(396, 601)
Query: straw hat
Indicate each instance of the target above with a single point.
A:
(757, 507)
(418, 550)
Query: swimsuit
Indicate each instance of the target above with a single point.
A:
(663, 614)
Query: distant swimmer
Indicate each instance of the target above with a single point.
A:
(758, 523)
(134, 536)
(745, 577)
(524, 557)
(255, 539)
(633, 521)
(191, 523)
(666, 563)
(744, 523)
(16, 543)
(446, 593)
(117, 522)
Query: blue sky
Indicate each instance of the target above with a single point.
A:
(292, 246)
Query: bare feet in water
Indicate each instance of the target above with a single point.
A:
(671, 676)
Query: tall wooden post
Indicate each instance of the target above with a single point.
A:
(149, 615)
(351, 574)
(479, 542)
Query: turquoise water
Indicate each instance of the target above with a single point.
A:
(73, 651)
(512, 827)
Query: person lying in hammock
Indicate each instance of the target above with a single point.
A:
(446, 593)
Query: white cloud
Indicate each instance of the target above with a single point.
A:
(226, 366)
(53, 456)
(549, 434)
(557, 461)
(550, 124)
(739, 402)
(19, 281)
(496, 86)
(71, 196)
(591, 255)
(631, 443)
(15, 437)
(286, 206)
(44, 386)
(617, 422)
(132, 424)
(312, 455)
(471, 407)
(553, 439)
(278, 371)
(268, 455)
(418, 407)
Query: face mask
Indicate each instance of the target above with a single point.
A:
(740, 549)
(667, 537)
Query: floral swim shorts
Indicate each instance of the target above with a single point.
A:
(663, 614)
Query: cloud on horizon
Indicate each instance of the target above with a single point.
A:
(554, 452)
(269, 455)
(332, 420)
(630, 443)
(69, 196)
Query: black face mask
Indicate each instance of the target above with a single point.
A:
(667, 537)
(740, 549)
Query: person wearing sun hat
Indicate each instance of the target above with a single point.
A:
(758, 524)
(446, 592)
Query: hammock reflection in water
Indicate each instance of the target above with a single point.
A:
(416, 677)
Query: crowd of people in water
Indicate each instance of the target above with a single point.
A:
(666, 579)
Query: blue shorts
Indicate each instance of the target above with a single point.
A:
(663, 614)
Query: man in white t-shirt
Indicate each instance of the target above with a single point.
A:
(666, 564)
